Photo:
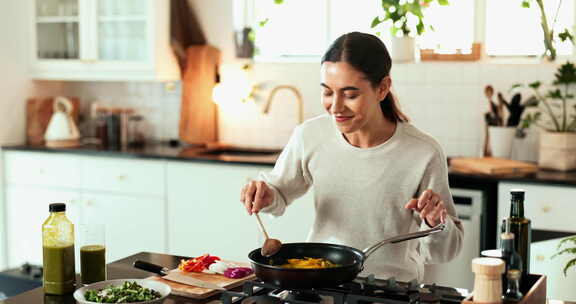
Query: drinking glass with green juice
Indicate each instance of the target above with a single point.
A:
(92, 253)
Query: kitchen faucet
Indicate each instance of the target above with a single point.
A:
(298, 100)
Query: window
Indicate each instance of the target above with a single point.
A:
(293, 28)
(453, 26)
(514, 30)
(304, 28)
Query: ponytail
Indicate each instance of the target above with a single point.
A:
(391, 110)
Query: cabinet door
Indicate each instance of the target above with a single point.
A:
(57, 26)
(133, 223)
(122, 30)
(559, 287)
(26, 211)
(206, 215)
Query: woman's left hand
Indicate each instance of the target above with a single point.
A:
(431, 208)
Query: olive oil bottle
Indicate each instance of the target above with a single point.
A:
(520, 226)
(58, 252)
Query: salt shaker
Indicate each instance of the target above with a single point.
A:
(487, 280)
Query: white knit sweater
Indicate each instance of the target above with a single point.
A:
(360, 194)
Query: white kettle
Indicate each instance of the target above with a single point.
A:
(62, 132)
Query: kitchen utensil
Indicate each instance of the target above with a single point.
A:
(175, 275)
(488, 280)
(271, 246)
(62, 130)
(350, 262)
(38, 114)
(196, 292)
(198, 114)
(489, 165)
(160, 287)
(489, 92)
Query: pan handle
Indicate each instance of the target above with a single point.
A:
(401, 238)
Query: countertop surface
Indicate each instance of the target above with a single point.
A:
(268, 157)
(122, 269)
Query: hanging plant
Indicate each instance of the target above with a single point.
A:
(406, 16)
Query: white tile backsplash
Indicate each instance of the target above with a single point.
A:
(445, 100)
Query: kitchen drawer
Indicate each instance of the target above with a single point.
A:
(144, 177)
(549, 207)
(42, 169)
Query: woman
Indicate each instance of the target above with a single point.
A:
(375, 175)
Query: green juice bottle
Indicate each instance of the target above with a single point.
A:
(58, 252)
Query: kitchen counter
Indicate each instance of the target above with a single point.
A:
(122, 269)
(197, 154)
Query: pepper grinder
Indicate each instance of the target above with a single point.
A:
(487, 280)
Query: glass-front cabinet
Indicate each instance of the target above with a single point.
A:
(102, 40)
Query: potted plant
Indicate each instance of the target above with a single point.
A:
(407, 20)
(555, 113)
(548, 31)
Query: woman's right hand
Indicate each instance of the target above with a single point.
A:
(256, 195)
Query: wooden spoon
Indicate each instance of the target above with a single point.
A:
(271, 246)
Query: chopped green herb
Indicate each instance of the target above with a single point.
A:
(128, 292)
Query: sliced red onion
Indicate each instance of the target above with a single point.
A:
(238, 272)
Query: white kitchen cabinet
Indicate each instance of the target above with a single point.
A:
(133, 223)
(558, 286)
(26, 211)
(42, 169)
(548, 207)
(95, 40)
(205, 214)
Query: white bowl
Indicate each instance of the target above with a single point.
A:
(160, 287)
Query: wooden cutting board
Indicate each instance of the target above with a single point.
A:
(492, 166)
(38, 114)
(202, 293)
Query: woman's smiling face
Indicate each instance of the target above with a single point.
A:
(349, 96)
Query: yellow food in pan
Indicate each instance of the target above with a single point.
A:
(312, 263)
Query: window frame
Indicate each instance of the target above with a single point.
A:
(480, 20)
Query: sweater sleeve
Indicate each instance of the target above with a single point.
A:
(289, 179)
(446, 245)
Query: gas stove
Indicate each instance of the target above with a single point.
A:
(360, 291)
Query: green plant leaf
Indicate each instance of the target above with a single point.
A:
(375, 22)
(566, 74)
(565, 35)
(568, 265)
(554, 94)
(565, 251)
(516, 85)
(533, 101)
(278, 1)
(571, 239)
(526, 4)
(443, 2)
(535, 84)
(420, 27)
(263, 22)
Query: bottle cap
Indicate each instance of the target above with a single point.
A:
(517, 194)
(57, 207)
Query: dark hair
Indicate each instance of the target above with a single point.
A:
(368, 54)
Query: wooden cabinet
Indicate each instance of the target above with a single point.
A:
(206, 216)
(101, 40)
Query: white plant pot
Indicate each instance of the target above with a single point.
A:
(501, 139)
(403, 49)
(557, 151)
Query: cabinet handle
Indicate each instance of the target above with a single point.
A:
(546, 209)
(121, 177)
(540, 258)
(89, 203)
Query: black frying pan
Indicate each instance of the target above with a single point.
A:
(351, 261)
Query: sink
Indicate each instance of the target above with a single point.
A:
(241, 152)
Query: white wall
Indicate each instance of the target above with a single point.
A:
(14, 86)
(443, 99)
